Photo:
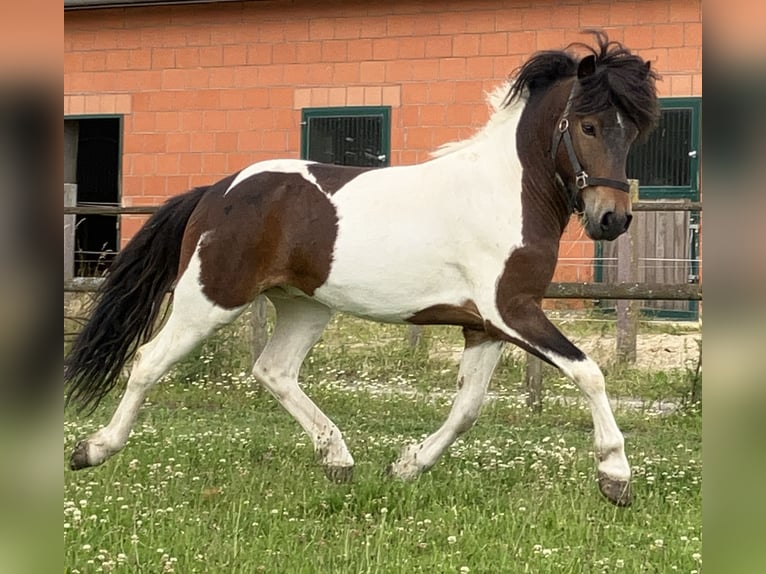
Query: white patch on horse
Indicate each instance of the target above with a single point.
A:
(298, 166)
(397, 235)
(620, 121)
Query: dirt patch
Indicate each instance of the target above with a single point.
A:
(654, 351)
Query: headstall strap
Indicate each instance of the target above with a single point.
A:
(582, 179)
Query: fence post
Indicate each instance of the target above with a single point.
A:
(259, 332)
(414, 334)
(627, 271)
(533, 383)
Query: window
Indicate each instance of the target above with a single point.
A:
(92, 176)
(359, 136)
(667, 163)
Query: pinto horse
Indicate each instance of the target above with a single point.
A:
(469, 238)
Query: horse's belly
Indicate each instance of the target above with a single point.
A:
(391, 291)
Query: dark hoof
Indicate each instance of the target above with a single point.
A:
(618, 492)
(79, 458)
(339, 474)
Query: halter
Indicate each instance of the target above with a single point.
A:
(582, 179)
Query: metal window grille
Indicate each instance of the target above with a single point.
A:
(347, 136)
(663, 159)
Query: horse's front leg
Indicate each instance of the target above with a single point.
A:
(480, 357)
(525, 324)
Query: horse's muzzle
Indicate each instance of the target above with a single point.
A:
(609, 225)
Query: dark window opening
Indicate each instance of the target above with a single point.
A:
(663, 160)
(98, 173)
(347, 136)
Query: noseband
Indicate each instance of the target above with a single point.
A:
(582, 179)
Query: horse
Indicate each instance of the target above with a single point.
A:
(468, 238)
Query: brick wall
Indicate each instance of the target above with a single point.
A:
(208, 89)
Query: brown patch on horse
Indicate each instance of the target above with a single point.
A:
(331, 177)
(465, 315)
(272, 229)
(527, 273)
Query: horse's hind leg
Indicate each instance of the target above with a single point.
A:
(192, 318)
(299, 324)
(480, 357)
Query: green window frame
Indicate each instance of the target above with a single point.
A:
(688, 190)
(348, 135)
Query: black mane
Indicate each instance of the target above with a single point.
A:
(621, 79)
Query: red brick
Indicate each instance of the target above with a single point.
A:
(225, 141)
(295, 74)
(693, 34)
(623, 13)
(238, 161)
(538, 17)
(479, 67)
(411, 115)
(173, 79)
(414, 94)
(594, 15)
(321, 28)
(212, 56)
(424, 70)
(256, 97)
(221, 78)
(481, 22)
(166, 122)
(493, 44)
(385, 49)
(231, 99)
(685, 11)
(215, 165)
(459, 115)
(523, 43)
(372, 72)
(465, 45)
(233, 55)
(654, 12)
(345, 73)
(308, 52)
(249, 140)
(451, 23)
(275, 140)
(400, 26)
(334, 51)
(283, 54)
(684, 59)
(639, 37)
(281, 97)
(190, 163)
(347, 28)
(259, 54)
(190, 121)
(466, 92)
(213, 120)
(373, 28)
(412, 47)
(398, 71)
(562, 16)
(452, 68)
(94, 61)
(438, 46)
(178, 142)
(441, 93)
(418, 138)
(167, 164)
(271, 33)
(202, 141)
(163, 58)
(431, 115)
(360, 50)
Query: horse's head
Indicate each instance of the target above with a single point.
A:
(600, 104)
(590, 149)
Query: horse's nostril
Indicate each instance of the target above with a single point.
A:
(607, 220)
(628, 219)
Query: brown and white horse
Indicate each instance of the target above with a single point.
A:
(469, 238)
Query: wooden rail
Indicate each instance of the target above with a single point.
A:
(640, 291)
(149, 209)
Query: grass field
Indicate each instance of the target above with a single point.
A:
(218, 478)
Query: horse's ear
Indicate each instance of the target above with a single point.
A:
(586, 67)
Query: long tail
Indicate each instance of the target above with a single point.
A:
(128, 302)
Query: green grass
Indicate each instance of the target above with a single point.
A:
(218, 478)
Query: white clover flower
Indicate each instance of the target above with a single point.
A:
(86, 547)
(451, 539)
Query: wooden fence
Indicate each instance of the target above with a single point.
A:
(626, 291)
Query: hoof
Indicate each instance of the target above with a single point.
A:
(339, 474)
(618, 492)
(79, 458)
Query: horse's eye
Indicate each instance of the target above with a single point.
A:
(588, 129)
